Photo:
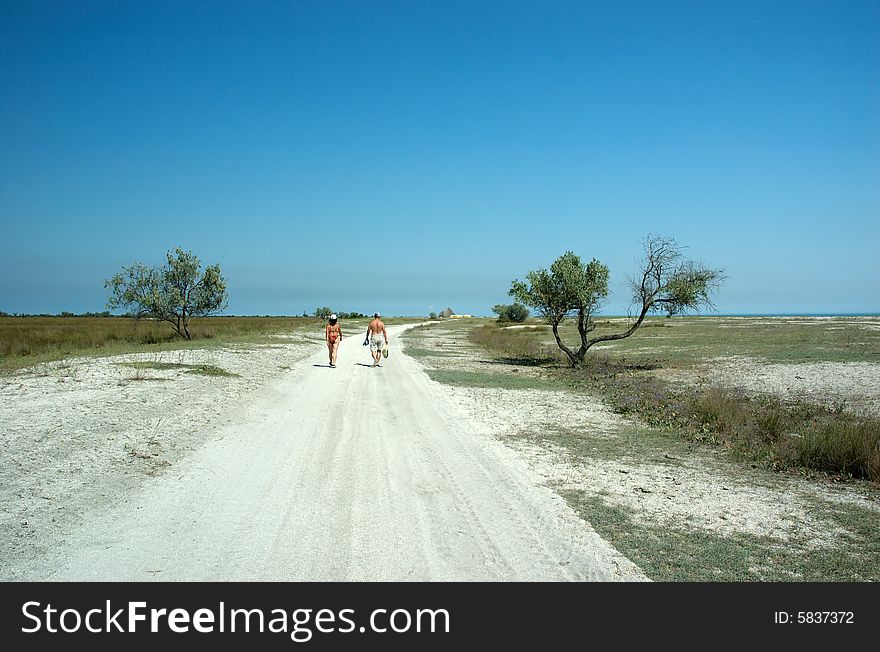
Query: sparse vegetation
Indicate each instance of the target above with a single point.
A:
(140, 373)
(522, 346)
(768, 430)
(200, 369)
(502, 381)
(760, 429)
(682, 554)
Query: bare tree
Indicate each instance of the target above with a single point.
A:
(665, 280)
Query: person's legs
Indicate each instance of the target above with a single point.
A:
(334, 352)
(374, 350)
(330, 346)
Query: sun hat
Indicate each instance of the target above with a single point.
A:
(377, 315)
(333, 317)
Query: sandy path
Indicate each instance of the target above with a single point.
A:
(350, 473)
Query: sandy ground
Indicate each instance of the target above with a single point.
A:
(692, 491)
(292, 471)
(80, 434)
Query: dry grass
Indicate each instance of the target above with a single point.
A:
(526, 346)
(25, 341)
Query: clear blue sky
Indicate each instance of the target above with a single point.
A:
(401, 155)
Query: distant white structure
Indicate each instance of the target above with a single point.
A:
(449, 313)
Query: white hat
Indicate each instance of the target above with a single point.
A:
(333, 317)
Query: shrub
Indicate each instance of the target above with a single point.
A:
(515, 312)
(841, 444)
(719, 409)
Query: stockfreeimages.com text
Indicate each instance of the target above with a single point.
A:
(300, 624)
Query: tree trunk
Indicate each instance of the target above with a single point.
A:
(582, 331)
(627, 333)
(571, 354)
(175, 325)
(186, 325)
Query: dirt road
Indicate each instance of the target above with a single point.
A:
(350, 473)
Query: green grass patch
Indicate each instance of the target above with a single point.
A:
(200, 369)
(668, 553)
(211, 370)
(421, 352)
(629, 442)
(521, 346)
(688, 341)
(686, 554)
(499, 380)
(861, 535)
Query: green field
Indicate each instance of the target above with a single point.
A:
(684, 341)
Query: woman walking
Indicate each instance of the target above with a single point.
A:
(334, 337)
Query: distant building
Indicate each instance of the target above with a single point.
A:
(449, 312)
(459, 316)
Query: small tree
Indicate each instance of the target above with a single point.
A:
(323, 313)
(515, 312)
(174, 293)
(664, 281)
(433, 315)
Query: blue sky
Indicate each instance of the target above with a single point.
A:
(405, 155)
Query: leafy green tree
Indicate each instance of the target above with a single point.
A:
(433, 315)
(323, 313)
(174, 293)
(664, 281)
(515, 312)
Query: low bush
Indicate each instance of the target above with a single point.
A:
(515, 312)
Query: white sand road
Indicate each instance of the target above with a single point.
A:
(350, 473)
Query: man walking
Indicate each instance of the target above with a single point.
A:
(377, 338)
